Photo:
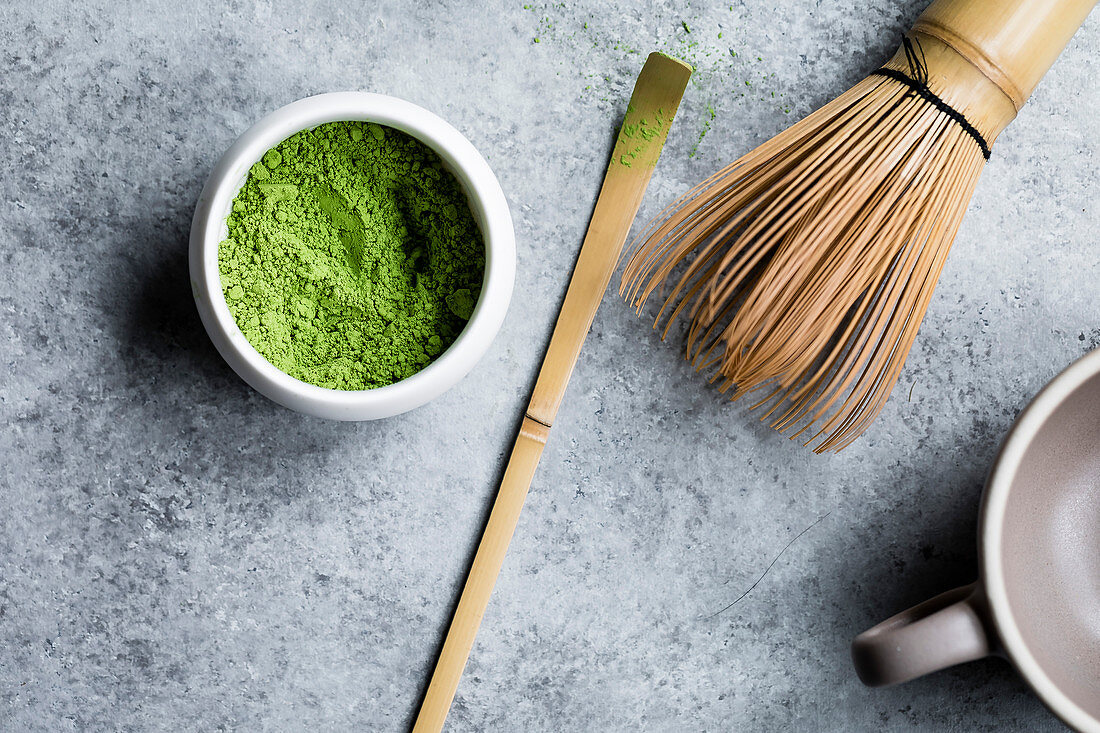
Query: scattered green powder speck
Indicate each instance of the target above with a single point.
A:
(352, 258)
(705, 38)
(638, 129)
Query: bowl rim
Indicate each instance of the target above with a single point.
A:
(487, 202)
(994, 507)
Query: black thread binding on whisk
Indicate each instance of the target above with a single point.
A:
(918, 82)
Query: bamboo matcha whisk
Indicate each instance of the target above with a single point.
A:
(805, 267)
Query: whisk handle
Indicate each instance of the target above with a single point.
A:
(1012, 42)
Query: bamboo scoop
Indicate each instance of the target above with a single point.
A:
(652, 106)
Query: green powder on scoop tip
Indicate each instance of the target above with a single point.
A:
(352, 259)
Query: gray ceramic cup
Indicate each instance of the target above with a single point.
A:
(1037, 602)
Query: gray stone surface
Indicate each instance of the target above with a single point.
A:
(178, 553)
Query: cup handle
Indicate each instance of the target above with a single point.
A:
(949, 629)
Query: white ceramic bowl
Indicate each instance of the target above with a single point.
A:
(487, 203)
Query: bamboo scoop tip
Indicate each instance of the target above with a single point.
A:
(670, 65)
(652, 107)
(658, 55)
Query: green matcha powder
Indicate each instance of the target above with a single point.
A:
(352, 258)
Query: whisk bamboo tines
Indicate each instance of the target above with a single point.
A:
(806, 266)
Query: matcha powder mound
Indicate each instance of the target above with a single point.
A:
(352, 258)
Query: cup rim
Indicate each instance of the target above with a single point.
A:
(995, 505)
(484, 195)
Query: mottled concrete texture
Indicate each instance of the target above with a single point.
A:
(178, 553)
